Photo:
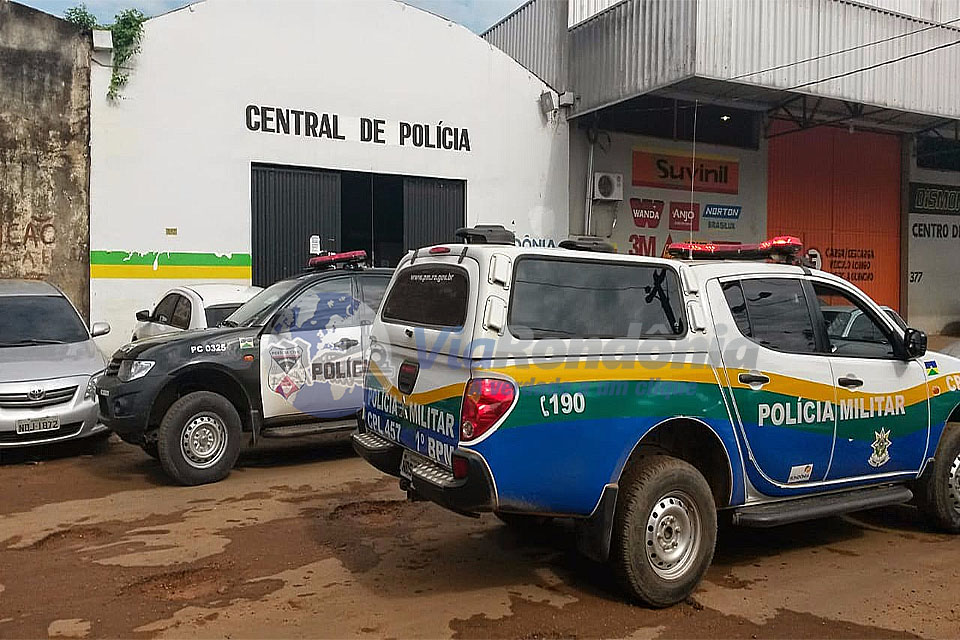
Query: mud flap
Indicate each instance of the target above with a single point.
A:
(594, 533)
(256, 422)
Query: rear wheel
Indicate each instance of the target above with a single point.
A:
(664, 530)
(199, 438)
(938, 490)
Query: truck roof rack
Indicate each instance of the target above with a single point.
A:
(779, 249)
(345, 260)
(486, 234)
(588, 243)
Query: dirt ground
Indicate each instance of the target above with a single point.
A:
(306, 540)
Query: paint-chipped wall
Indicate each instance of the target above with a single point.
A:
(44, 150)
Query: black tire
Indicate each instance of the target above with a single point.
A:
(937, 492)
(152, 449)
(659, 496)
(216, 424)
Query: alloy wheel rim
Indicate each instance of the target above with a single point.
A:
(203, 441)
(673, 535)
(953, 484)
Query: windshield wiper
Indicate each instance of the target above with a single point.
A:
(29, 342)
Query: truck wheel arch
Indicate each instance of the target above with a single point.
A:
(202, 378)
(687, 439)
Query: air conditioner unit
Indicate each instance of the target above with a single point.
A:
(607, 186)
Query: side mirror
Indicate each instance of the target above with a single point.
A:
(143, 316)
(99, 329)
(915, 343)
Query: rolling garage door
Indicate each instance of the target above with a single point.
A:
(288, 206)
(433, 210)
(839, 192)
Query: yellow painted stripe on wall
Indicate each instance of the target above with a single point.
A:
(172, 272)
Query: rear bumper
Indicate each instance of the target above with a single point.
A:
(473, 494)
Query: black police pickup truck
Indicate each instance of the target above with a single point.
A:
(289, 362)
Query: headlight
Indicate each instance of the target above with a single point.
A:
(91, 392)
(133, 369)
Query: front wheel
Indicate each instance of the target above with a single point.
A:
(664, 530)
(938, 490)
(199, 438)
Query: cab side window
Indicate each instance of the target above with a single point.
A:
(324, 306)
(372, 288)
(163, 314)
(772, 312)
(182, 313)
(861, 337)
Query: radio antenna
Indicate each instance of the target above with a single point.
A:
(693, 171)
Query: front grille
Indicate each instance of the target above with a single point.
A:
(50, 398)
(12, 437)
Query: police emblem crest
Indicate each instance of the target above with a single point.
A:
(287, 373)
(881, 448)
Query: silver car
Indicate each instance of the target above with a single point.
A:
(49, 367)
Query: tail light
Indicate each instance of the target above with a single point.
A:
(461, 467)
(485, 401)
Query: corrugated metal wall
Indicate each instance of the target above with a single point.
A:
(581, 10)
(433, 210)
(535, 36)
(736, 38)
(839, 192)
(289, 205)
(934, 10)
(620, 49)
(633, 48)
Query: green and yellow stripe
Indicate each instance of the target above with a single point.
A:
(171, 265)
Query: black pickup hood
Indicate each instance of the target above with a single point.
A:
(182, 341)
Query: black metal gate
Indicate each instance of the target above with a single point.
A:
(289, 205)
(433, 209)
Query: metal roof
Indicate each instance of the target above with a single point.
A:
(854, 61)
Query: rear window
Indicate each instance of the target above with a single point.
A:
(432, 295)
(31, 320)
(216, 315)
(587, 299)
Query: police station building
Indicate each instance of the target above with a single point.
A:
(247, 127)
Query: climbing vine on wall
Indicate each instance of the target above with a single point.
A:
(127, 30)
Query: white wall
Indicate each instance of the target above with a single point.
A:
(617, 157)
(175, 153)
(933, 262)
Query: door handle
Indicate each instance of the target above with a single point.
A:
(850, 382)
(753, 378)
(345, 343)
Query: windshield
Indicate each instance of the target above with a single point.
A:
(258, 309)
(216, 315)
(32, 320)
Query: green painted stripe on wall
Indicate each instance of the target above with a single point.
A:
(173, 258)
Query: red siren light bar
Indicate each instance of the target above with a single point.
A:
(784, 248)
(329, 260)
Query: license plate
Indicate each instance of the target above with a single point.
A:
(408, 462)
(37, 425)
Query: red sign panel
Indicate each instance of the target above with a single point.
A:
(685, 216)
(711, 174)
(646, 212)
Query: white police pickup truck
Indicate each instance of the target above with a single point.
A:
(640, 395)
